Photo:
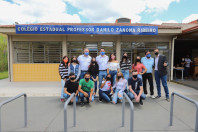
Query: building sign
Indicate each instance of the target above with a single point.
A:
(75, 29)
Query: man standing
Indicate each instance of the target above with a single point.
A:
(148, 62)
(84, 61)
(102, 61)
(160, 66)
(85, 89)
(187, 66)
(135, 88)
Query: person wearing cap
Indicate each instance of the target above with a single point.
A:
(84, 61)
(148, 62)
(71, 86)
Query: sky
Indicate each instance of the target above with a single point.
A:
(97, 11)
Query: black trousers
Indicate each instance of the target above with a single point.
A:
(148, 76)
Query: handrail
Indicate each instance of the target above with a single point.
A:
(188, 99)
(14, 98)
(123, 111)
(74, 111)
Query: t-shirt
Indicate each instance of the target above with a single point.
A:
(86, 86)
(84, 62)
(135, 84)
(138, 67)
(187, 60)
(72, 87)
(107, 86)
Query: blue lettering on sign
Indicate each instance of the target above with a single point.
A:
(69, 29)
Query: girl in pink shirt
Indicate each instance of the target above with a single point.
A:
(139, 67)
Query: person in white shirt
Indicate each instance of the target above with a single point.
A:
(113, 67)
(119, 87)
(187, 66)
(102, 61)
(84, 61)
(106, 89)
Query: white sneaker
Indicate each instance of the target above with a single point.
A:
(152, 96)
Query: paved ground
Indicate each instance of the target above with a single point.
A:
(45, 111)
(188, 82)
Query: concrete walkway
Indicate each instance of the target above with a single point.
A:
(45, 111)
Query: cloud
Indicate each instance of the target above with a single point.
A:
(110, 10)
(190, 18)
(34, 11)
(160, 21)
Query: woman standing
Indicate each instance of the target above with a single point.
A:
(139, 67)
(106, 89)
(93, 70)
(64, 71)
(113, 67)
(125, 65)
(75, 67)
(119, 87)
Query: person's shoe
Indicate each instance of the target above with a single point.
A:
(157, 97)
(152, 96)
(167, 99)
(62, 100)
(100, 99)
(141, 102)
(82, 104)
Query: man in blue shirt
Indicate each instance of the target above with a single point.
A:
(148, 62)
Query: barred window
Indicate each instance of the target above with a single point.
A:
(37, 52)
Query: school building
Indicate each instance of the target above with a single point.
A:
(35, 50)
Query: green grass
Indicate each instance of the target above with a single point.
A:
(3, 75)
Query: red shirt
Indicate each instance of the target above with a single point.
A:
(139, 67)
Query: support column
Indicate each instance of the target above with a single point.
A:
(172, 56)
(8, 50)
(64, 45)
(118, 48)
(10, 58)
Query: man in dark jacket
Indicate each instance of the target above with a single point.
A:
(160, 67)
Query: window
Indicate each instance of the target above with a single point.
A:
(37, 52)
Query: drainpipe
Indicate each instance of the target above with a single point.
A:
(172, 56)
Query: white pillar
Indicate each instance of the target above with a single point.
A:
(64, 45)
(118, 48)
(172, 56)
(10, 63)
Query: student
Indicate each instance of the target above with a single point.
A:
(148, 62)
(75, 67)
(71, 86)
(93, 70)
(135, 88)
(102, 61)
(84, 61)
(119, 87)
(106, 89)
(85, 89)
(139, 67)
(64, 73)
(113, 67)
(125, 65)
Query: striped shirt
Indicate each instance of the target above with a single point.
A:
(125, 65)
(64, 71)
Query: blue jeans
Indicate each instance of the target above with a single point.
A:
(82, 96)
(113, 76)
(62, 90)
(95, 84)
(105, 95)
(101, 75)
(82, 74)
(139, 76)
(125, 74)
(131, 96)
(115, 96)
(66, 96)
(164, 83)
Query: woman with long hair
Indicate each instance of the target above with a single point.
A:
(64, 71)
(139, 67)
(75, 67)
(125, 66)
(119, 87)
(113, 67)
(93, 70)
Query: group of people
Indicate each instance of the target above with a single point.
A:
(80, 76)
